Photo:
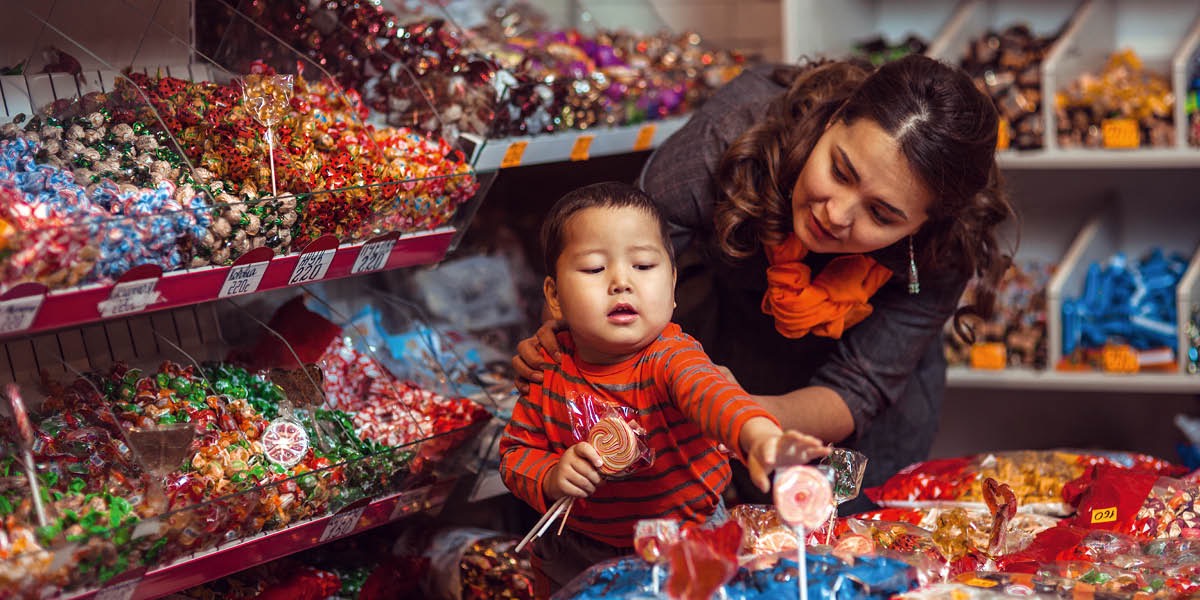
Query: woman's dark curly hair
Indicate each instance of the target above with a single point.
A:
(945, 127)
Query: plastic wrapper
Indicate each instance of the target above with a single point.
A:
(905, 542)
(613, 431)
(828, 578)
(765, 532)
(1138, 504)
(474, 564)
(1037, 478)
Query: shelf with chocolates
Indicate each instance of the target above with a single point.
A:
(149, 454)
(1080, 84)
(141, 179)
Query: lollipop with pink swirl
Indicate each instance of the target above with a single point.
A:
(616, 443)
(804, 500)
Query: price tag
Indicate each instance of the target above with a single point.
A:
(18, 314)
(645, 138)
(119, 591)
(512, 156)
(312, 266)
(342, 523)
(1120, 133)
(1119, 358)
(989, 355)
(129, 297)
(407, 504)
(1104, 515)
(582, 145)
(243, 279)
(373, 256)
(1004, 135)
(980, 583)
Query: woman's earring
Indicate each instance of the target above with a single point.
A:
(914, 284)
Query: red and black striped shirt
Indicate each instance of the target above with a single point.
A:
(683, 403)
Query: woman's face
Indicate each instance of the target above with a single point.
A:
(857, 192)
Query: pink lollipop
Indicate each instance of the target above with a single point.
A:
(853, 544)
(285, 442)
(803, 496)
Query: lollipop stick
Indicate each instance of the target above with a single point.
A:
(271, 155)
(31, 472)
(543, 523)
(802, 562)
(655, 571)
(832, 520)
(566, 513)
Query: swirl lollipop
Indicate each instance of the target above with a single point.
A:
(804, 499)
(652, 540)
(285, 442)
(616, 443)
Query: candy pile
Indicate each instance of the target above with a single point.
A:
(1125, 90)
(878, 50)
(509, 76)
(1192, 102)
(385, 409)
(1125, 303)
(1008, 66)
(1015, 336)
(1193, 337)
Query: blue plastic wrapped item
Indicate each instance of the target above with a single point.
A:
(1124, 302)
(829, 578)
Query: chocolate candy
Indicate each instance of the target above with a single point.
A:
(1124, 89)
(1007, 65)
(1019, 321)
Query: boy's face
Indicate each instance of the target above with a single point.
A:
(615, 283)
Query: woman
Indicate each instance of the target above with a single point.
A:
(827, 219)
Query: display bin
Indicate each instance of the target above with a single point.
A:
(1154, 29)
(830, 29)
(383, 198)
(1120, 226)
(1189, 303)
(180, 514)
(1183, 72)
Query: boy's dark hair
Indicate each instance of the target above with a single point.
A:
(608, 194)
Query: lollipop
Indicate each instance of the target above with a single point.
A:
(848, 467)
(25, 431)
(652, 540)
(804, 499)
(285, 442)
(616, 443)
(268, 98)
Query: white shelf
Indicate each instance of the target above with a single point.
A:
(1143, 158)
(566, 145)
(1027, 379)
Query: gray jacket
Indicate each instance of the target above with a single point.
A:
(889, 369)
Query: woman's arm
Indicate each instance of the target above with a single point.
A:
(818, 411)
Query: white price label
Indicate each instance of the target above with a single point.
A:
(120, 591)
(342, 524)
(373, 256)
(18, 314)
(312, 266)
(243, 279)
(129, 297)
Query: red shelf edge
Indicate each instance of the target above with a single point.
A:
(222, 561)
(79, 306)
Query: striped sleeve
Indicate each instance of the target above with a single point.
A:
(525, 455)
(720, 407)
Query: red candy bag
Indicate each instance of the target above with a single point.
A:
(613, 431)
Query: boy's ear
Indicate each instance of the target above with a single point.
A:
(550, 290)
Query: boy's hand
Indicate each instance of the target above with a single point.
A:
(576, 473)
(762, 442)
(528, 362)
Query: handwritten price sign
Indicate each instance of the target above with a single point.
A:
(129, 297)
(243, 279)
(311, 267)
(18, 314)
(342, 524)
(373, 256)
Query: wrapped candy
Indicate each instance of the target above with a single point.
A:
(765, 532)
(1124, 89)
(613, 431)
(1018, 325)
(1007, 65)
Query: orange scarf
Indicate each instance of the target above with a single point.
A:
(824, 305)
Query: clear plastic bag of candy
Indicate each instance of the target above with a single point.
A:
(613, 431)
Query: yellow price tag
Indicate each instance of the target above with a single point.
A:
(512, 156)
(579, 151)
(645, 138)
(1004, 135)
(1120, 133)
(980, 583)
(989, 355)
(1104, 515)
(1119, 358)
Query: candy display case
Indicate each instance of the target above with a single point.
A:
(160, 467)
(205, 183)
(813, 28)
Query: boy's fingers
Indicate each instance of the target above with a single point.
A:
(586, 451)
(758, 476)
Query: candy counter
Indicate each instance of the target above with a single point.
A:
(166, 458)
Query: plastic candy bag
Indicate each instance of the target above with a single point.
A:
(613, 431)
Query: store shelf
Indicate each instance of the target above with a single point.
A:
(575, 145)
(1143, 158)
(1027, 379)
(29, 308)
(219, 562)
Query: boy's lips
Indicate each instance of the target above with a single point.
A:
(623, 313)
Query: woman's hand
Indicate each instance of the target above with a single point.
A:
(528, 362)
(575, 474)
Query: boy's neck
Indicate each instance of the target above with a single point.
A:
(592, 356)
